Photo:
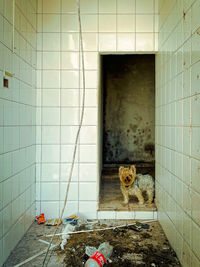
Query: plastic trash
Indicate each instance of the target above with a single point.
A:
(99, 257)
(90, 250)
(73, 219)
(68, 228)
(40, 219)
(53, 222)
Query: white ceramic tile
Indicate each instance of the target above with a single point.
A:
(90, 116)
(65, 171)
(87, 191)
(144, 23)
(51, 116)
(51, 6)
(70, 209)
(90, 60)
(69, 79)
(195, 149)
(69, 23)
(50, 135)
(51, 41)
(195, 104)
(88, 153)
(50, 153)
(125, 215)
(49, 191)
(144, 41)
(88, 172)
(107, 7)
(107, 42)
(88, 135)
(125, 23)
(67, 153)
(73, 191)
(86, 207)
(69, 42)
(106, 215)
(69, 6)
(89, 6)
(51, 79)
(50, 98)
(144, 215)
(51, 60)
(89, 23)
(126, 41)
(144, 6)
(70, 97)
(69, 60)
(51, 23)
(68, 134)
(125, 6)
(195, 174)
(91, 79)
(90, 42)
(90, 97)
(107, 23)
(69, 116)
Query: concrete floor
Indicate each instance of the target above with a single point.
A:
(29, 246)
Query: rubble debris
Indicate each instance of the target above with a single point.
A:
(130, 246)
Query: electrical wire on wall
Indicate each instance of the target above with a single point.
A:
(77, 135)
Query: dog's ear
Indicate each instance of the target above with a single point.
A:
(121, 168)
(133, 170)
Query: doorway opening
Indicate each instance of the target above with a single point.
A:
(127, 124)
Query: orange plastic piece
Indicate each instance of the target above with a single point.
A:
(40, 219)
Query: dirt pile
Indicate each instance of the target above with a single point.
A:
(148, 247)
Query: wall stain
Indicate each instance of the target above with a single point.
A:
(129, 108)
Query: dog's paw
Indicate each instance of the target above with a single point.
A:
(141, 203)
(125, 203)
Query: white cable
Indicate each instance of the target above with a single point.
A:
(78, 132)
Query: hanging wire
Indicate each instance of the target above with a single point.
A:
(77, 135)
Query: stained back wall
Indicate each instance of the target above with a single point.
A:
(129, 108)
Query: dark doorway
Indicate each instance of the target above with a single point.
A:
(128, 109)
(127, 122)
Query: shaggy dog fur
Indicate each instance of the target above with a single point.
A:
(135, 185)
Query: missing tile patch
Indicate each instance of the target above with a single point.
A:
(5, 82)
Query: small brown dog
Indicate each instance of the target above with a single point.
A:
(132, 184)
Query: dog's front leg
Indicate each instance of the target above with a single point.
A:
(125, 195)
(139, 196)
(126, 198)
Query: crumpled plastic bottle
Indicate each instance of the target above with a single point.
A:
(98, 259)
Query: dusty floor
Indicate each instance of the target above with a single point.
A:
(149, 247)
(111, 197)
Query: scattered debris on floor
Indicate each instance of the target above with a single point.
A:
(134, 244)
(40, 219)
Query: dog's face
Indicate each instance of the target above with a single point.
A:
(126, 175)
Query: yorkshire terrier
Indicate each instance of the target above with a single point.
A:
(135, 185)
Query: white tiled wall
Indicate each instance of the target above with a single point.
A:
(178, 127)
(108, 26)
(17, 122)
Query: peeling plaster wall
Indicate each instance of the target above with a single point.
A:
(129, 108)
